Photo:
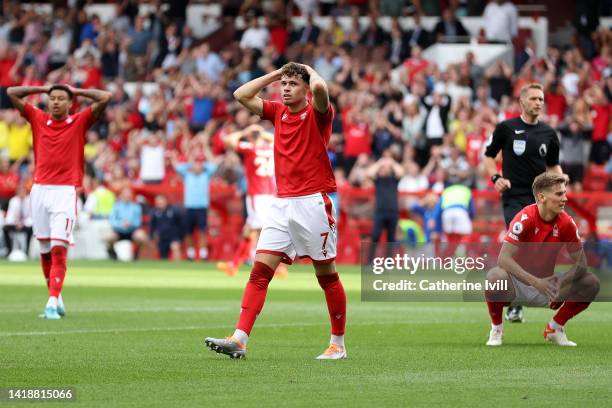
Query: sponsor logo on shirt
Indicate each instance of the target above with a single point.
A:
(519, 147)
(524, 217)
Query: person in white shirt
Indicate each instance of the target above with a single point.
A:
(18, 219)
(500, 20)
(255, 36)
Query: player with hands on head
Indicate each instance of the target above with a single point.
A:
(301, 220)
(58, 140)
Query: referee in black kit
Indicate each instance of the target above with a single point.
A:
(528, 148)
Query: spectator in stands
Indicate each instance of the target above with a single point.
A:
(126, 222)
(385, 173)
(9, 181)
(601, 112)
(100, 201)
(412, 123)
(209, 63)
(309, 33)
(436, 120)
(483, 100)
(418, 35)
(500, 21)
(449, 29)
(139, 49)
(255, 36)
(456, 167)
(571, 156)
(165, 228)
(19, 138)
(18, 219)
(196, 177)
(152, 170)
(374, 35)
(413, 180)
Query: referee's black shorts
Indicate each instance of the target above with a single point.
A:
(513, 204)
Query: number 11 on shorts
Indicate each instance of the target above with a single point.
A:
(69, 225)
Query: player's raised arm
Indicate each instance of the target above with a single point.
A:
(318, 87)
(548, 286)
(100, 98)
(247, 93)
(17, 94)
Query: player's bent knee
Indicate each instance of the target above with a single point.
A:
(496, 274)
(591, 282)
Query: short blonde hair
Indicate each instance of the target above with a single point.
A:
(545, 181)
(533, 85)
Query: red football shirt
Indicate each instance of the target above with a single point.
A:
(300, 149)
(258, 167)
(58, 146)
(539, 241)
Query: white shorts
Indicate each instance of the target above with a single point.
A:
(54, 211)
(527, 295)
(300, 226)
(257, 207)
(456, 221)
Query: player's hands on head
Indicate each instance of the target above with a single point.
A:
(502, 184)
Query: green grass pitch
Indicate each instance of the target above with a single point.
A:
(133, 337)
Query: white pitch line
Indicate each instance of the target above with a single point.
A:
(225, 326)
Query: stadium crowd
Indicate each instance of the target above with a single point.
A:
(172, 93)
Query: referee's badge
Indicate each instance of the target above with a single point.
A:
(542, 150)
(519, 147)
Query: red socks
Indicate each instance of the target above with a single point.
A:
(57, 270)
(496, 311)
(254, 296)
(569, 310)
(243, 252)
(45, 261)
(336, 302)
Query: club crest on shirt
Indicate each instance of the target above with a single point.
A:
(284, 116)
(303, 115)
(555, 231)
(537, 230)
(542, 150)
(519, 147)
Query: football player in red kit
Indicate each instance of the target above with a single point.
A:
(527, 260)
(301, 220)
(256, 147)
(58, 140)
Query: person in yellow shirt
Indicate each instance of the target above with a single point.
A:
(4, 135)
(19, 139)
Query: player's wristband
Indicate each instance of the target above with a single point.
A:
(495, 177)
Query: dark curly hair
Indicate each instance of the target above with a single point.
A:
(293, 69)
(60, 87)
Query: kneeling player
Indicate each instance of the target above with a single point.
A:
(527, 261)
